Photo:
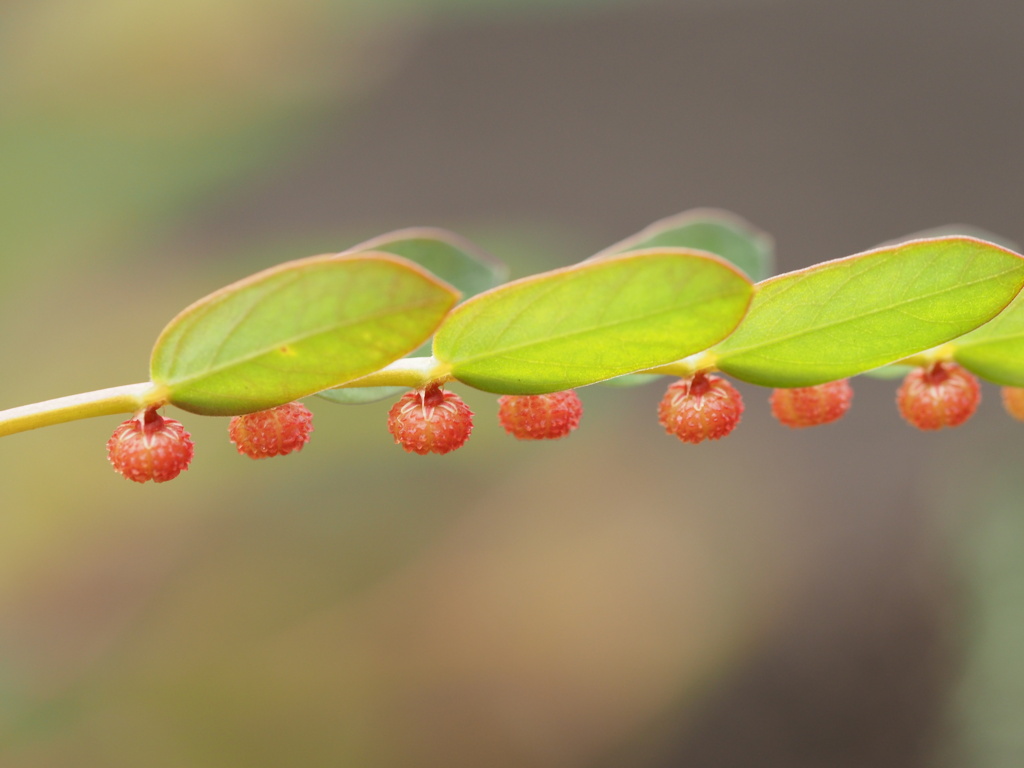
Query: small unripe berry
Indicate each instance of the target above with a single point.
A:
(274, 432)
(540, 417)
(811, 406)
(941, 395)
(701, 407)
(150, 447)
(430, 421)
(1013, 402)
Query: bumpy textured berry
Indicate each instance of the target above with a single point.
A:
(1013, 402)
(540, 417)
(150, 447)
(811, 406)
(940, 395)
(701, 407)
(273, 432)
(430, 421)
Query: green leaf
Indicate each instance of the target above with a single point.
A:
(706, 229)
(995, 351)
(296, 329)
(447, 255)
(851, 315)
(598, 319)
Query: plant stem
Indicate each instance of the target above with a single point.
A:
(130, 398)
(412, 372)
(701, 361)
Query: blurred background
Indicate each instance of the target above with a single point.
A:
(849, 596)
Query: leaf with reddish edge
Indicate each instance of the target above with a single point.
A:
(844, 317)
(592, 321)
(296, 329)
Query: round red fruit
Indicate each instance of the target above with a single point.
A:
(811, 406)
(273, 432)
(150, 447)
(430, 421)
(943, 394)
(540, 417)
(701, 407)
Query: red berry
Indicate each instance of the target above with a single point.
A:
(430, 421)
(811, 406)
(1013, 402)
(540, 417)
(273, 432)
(150, 447)
(940, 395)
(701, 407)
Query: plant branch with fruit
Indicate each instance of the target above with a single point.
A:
(691, 297)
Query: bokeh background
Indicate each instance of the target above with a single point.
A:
(850, 596)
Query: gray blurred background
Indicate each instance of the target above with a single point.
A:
(851, 596)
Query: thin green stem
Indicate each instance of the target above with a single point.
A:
(130, 398)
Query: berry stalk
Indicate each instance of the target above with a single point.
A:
(129, 398)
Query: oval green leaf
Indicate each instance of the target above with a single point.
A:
(706, 229)
(445, 254)
(599, 319)
(995, 351)
(296, 329)
(851, 315)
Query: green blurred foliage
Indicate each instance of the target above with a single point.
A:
(118, 115)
